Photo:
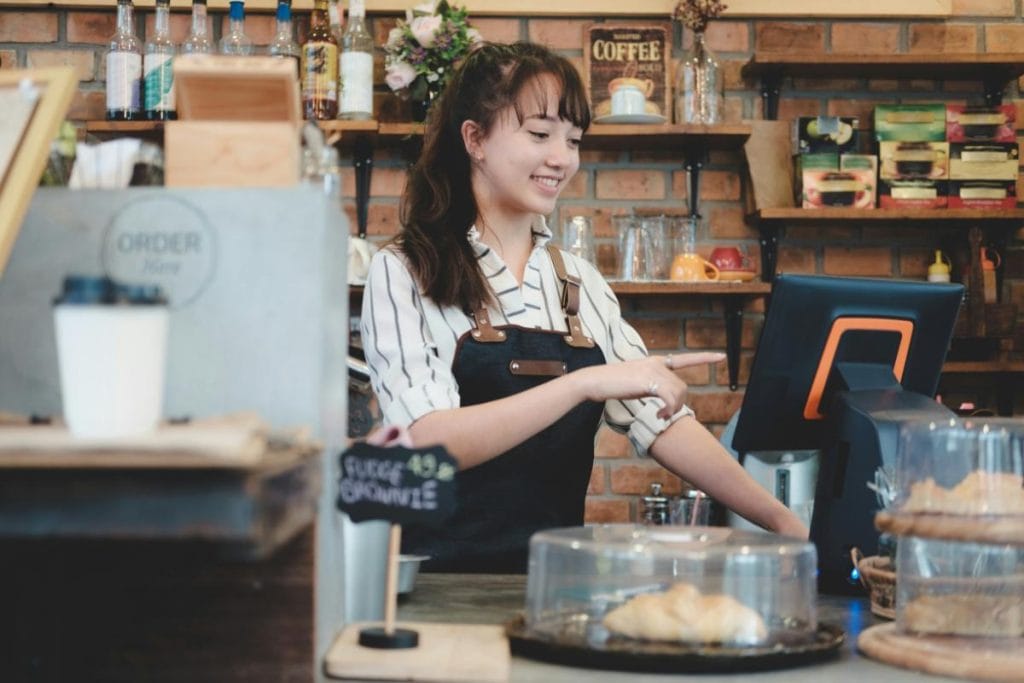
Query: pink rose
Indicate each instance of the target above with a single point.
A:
(399, 75)
(424, 29)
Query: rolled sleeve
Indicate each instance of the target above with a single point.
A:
(405, 371)
(637, 418)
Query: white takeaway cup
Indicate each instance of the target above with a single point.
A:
(112, 352)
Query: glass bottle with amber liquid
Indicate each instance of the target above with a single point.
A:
(124, 68)
(320, 67)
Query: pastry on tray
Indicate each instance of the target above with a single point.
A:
(979, 493)
(683, 614)
(966, 615)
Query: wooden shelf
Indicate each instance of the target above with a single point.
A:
(796, 214)
(659, 287)
(691, 288)
(936, 66)
(721, 136)
(123, 126)
(400, 130)
(982, 366)
(669, 136)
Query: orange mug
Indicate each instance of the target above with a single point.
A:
(693, 268)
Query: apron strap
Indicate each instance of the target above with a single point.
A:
(570, 301)
(482, 330)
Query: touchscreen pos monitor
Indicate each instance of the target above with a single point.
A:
(840, 364)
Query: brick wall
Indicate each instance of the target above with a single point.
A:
(614, 182)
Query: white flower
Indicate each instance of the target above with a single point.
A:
(394, 35)
(424, 29)
(399, 75)
(474, 35)
(424, 9)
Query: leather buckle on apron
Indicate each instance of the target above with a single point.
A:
(483, 331)
(570, 302)
(537, 368)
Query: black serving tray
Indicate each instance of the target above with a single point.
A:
(625, 654)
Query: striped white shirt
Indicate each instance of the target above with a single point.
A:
(410, 342)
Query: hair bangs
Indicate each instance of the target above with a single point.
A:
(528, 87)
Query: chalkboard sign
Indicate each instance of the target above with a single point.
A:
(398, 484)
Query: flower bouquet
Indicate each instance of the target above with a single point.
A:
(423, 49)
(700, 87)
(696, 14)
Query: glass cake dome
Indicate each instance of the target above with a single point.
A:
(681, 584)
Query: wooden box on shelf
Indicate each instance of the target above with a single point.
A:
(239, 120)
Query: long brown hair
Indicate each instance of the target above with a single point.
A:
(438, 207)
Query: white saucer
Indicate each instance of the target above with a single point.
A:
(631, 118)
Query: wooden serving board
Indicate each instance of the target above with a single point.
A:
(985, 659)
(447, 652)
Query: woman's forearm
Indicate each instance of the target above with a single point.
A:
(689, 450)
(475, 434)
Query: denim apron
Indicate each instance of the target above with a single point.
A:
(542, 482)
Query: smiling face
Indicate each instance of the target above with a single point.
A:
(520, 167)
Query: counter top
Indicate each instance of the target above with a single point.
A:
(495, 599)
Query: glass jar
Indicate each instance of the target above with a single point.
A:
(700, 89)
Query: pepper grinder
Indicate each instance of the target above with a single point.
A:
(654, 506)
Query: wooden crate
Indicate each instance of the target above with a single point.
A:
(239, 123)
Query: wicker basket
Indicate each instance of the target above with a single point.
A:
(878, 577)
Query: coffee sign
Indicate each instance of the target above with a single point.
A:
(397, 484)
(627, 72)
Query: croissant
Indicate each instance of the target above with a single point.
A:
(682, 614)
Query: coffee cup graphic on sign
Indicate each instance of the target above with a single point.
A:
(629, 95)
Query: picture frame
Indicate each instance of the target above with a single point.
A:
(639, 54)
(33, 102)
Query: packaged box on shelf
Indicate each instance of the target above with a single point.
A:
(982, 194)
(983, 161)
(859, 162)
(814, 134)
(820, 161)
(929, 160)
(910, 122)
(853, 189)
(981, 124)
(239, 123)
(915, 193)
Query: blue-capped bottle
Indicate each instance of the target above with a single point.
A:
(283, 45)
(158, 80)
(124, 68)
(234, 41)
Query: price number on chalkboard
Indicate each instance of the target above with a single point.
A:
(397, 484)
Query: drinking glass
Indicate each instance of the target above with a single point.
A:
(578, 237)
(660, 243)
(637, 258)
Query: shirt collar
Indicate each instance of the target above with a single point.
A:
(541, 236)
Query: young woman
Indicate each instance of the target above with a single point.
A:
(483, 338)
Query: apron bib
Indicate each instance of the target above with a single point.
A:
(542, 482)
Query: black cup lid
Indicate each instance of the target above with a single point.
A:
(101, 290)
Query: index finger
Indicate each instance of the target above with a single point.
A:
(683, 360)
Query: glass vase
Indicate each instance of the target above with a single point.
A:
(700, 91)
